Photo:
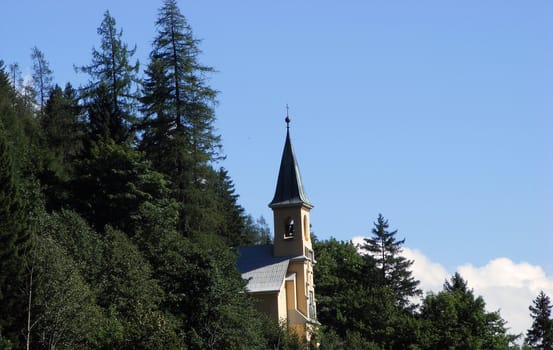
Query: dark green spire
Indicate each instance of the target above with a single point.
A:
(289, 189)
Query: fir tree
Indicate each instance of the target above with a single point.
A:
(178, 125)
(42, 77)
(14, 232)
(540, 335)
(109, 96)
(63, 128)
(393, 268)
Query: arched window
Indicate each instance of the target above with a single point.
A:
(289, 228)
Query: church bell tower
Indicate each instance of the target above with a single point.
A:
(290, 207)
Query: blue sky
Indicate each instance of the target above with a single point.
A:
(437, 114)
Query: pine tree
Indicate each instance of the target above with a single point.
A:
(232, 225)
(109, 96)
(540, 335)
(176, 94)
(178, 125)
(9, 204)
(62, 128)
(112, 184)
(42, 77)
(14, 234)
(393, 268)
(21, 128)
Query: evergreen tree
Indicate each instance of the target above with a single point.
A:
(354, 304)
(232, 225)
(63, 128)
(540, 335)
(176, 96)
(111, 185)
(109, 95)
(42, 77)
(178, 125)
(63, 139)
(393, 268)
(456, 319)
(21, 127)
(14, 231)
(15, 74)
(257, 231)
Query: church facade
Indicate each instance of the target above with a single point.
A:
(280, 275)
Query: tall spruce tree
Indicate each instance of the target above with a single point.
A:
(63, 132)
(110, 96)
(62, 128)
(540, 335)
(178, 125)
(393, 268)
(14, 233)
(42, 77)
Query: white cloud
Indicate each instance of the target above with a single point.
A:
(505, 285)
(430, 274)
(509, 287)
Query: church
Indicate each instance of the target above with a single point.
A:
(280, 275)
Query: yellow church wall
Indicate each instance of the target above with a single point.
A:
(268, 304)
(273, 304)
(295, 245)
(300, 268)
(291, 301)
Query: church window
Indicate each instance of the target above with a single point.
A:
(289, 228)
(312, 308)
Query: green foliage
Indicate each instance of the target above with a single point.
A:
(135, 247)
(176, 97)
(42, 77)
(456, 319)
(337, 271)
(257, 231)
(540, 334)
(63, 132)
(365, 298)
(62, 138)
(232, 225)
(83, 245)
(277, 336)
(204, 290)
(109, 97)
(65, 315)
(361, 311)
(178, 133)
(393, 268)
(15, 238)
(130, 290)
(20, 127)
(112, 184)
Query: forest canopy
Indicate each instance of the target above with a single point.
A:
(119, 227)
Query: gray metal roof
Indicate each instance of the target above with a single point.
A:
(264, 272)
(289, 189)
